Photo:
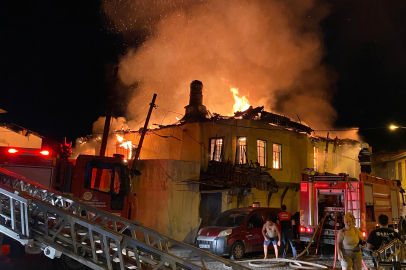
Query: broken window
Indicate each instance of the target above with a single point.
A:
(241, 150)
(261, 153)
(316, 158)
(216, 149)
(277, 156)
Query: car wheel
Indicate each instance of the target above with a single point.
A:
(67, 263)
(237, 251)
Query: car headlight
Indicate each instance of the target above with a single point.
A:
(200, 231)
(226, 232)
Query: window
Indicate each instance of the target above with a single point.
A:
(216, 149)
(241, 150)
(261, 153)
(256, 221)
(316, 158)
(272, 215)
(102, 177)
(277, 156)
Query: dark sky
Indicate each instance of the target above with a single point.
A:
(53, 54)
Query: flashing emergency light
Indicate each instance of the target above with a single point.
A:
(12, 150)
(308, 230)
(44, 152)
(364, 234)
(302, 229)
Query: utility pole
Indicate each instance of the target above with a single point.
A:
(144, 130)
(112, 78)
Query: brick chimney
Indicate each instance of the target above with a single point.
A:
(195, 111)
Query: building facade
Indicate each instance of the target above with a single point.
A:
(252, 157)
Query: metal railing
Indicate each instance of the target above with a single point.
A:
(31, 212)
(390, 256)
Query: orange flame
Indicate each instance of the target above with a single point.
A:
(128, 145)
(240, 104)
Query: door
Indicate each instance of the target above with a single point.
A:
(254, 238)
(210, 208)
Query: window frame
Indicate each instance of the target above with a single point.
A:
(104, 166)
(280, 156)
(237, 154)
(221, 151)
(265, 153)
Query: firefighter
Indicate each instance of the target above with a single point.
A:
(286, 221)
(364, 158)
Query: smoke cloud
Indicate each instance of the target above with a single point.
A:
(270, 50)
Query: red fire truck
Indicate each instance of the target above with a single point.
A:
(333, 195)
(99, 181)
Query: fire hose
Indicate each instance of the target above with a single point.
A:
(293, 263)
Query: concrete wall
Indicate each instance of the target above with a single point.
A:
(166, 203)
(10, 138)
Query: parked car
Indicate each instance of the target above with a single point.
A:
(236, 232)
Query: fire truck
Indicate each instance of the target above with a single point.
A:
(99, 181)
(327, 197)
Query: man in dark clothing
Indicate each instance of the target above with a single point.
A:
(382, 236)
(286, 221)
(364, 158)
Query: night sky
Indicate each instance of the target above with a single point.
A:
(53, 56)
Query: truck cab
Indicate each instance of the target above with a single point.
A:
(99, 181)
(104, 182)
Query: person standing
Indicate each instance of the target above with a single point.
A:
(286, 221)
(271, 234)
(382, 236)
(350, 242)
(364, 158)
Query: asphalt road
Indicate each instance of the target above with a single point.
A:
(41, 262)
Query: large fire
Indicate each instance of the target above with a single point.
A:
(240, 104)
(127, 145)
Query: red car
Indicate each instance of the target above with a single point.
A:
(236, 232)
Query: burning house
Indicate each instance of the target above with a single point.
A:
(206, 163)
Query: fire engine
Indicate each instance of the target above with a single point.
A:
(99, 181)
(327, 197)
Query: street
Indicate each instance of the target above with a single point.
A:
(41, 262)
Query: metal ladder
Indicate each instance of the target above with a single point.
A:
(59, 224)
(353, 196)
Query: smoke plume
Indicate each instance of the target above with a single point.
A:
(270, 50)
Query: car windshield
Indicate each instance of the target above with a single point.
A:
(230, 219)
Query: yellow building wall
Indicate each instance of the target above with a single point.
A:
(169, 204)
(191, 142)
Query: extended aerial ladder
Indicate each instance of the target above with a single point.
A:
(65, 226)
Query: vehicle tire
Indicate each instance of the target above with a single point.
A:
(237, 251)
(67, 263)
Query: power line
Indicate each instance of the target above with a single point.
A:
(153, 148)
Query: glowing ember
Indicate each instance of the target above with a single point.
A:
(240, 104)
